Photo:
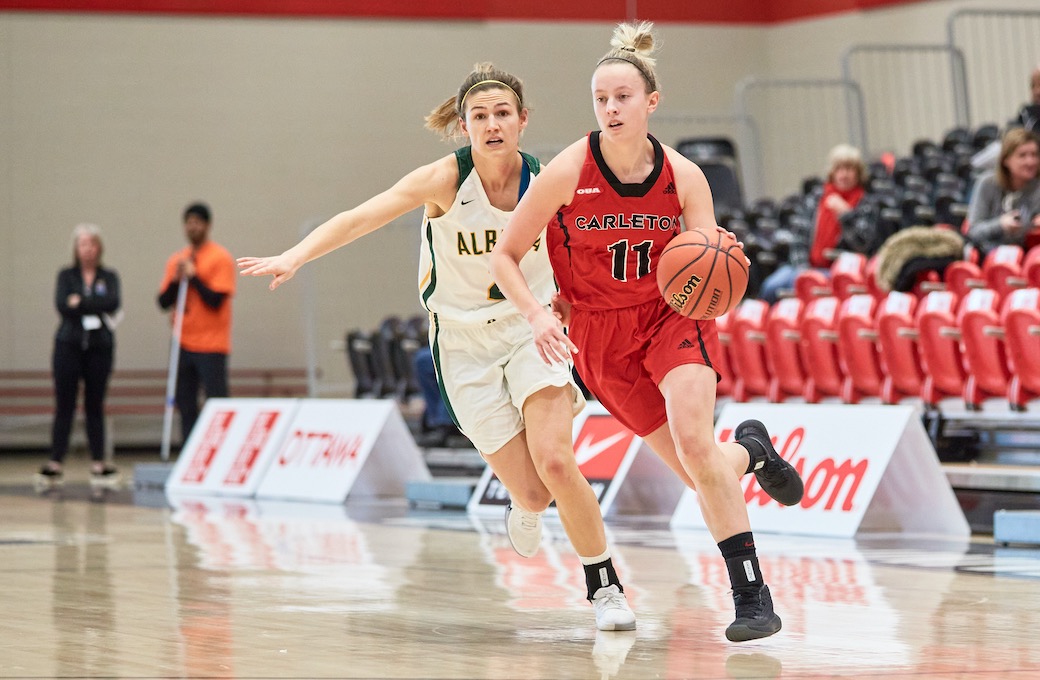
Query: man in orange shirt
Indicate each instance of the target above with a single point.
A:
(205, 343)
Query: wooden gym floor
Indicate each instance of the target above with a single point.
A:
(123, 585)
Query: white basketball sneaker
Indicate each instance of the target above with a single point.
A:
(612, 610)
(524, 530)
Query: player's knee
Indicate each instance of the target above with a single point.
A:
(535, 498)
(555, 470)
(695, 447)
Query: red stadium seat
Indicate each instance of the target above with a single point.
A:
(871, 279)
(897, 343)
(940, 344)
(1031, 267)
(849, 274)
(820, 350)
(1021, 317)
(747, 350)
(962, 276)
(1002, 269)
(783, 356)
(724, 365)
(857, 348)
(810, 284)
(982, 336)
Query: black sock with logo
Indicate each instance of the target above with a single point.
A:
(601, 575)
(741, 561)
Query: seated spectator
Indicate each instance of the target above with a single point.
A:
(1005, 203)
(438, 429)
(843, 190)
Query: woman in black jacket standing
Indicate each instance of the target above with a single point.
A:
(86, 296)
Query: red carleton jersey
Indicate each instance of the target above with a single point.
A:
(604, 246)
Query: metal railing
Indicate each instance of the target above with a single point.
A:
(911, 91)
(1001, 48)
(797, 122)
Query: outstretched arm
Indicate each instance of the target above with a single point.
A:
(554, 188)
(432, 185)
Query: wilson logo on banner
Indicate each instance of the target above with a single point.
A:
(856, 463)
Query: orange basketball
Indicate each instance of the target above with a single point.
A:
(702, 274)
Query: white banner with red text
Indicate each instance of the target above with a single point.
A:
(330, 450)
(231, 445)
(865, 467)
(627, 477)
(316, 450)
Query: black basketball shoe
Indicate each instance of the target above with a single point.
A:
(755, 616)
(778, 478)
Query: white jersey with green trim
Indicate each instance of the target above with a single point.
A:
(454, 281)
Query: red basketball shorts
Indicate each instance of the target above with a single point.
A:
(625, 353)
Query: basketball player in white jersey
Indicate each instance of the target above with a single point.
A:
(517, 410)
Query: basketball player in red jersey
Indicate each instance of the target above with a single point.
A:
(612, 201)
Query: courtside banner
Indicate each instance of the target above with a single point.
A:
(607, 453)
(336, 447)
(865, 467)
(231, 445)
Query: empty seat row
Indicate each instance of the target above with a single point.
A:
(974, 348)
(382, 360)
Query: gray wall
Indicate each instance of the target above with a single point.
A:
(123, 120)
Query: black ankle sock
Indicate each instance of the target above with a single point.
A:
(601, 575)
(756, 453)
(741, 561)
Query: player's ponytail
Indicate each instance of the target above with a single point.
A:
(635, 43)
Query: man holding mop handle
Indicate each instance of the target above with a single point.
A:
(204, 274)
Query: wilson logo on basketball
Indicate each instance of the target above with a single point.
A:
(824, 483)
(680, 297)
(716, 295)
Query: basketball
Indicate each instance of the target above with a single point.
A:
(702, 274)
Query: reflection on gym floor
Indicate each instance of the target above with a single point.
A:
(205, 587)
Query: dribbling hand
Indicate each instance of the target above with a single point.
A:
(281, 267)
(734, 237)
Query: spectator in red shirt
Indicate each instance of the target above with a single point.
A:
(846, 176)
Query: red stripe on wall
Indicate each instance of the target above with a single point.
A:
(668, 11)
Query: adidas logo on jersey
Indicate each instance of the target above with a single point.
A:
(685, 344)
(591, 190)
(670, 189)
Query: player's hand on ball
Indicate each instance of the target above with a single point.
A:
(733, 236)
(281, 267)
(553, 344)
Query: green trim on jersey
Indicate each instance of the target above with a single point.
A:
(432, 285)
(464, 159)
(435, 348)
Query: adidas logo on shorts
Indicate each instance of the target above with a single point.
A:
(685, 344)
